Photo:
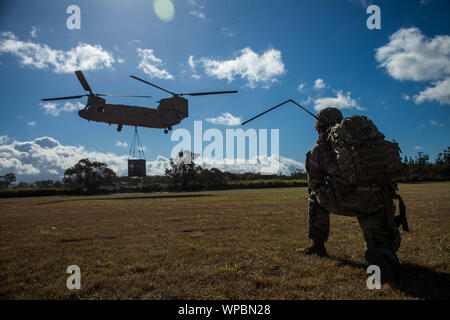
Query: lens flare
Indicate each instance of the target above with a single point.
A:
(164, 9)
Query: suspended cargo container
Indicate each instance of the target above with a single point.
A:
(137, 168)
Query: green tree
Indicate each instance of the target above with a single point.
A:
(184, 173)
(89, 176)
(7, 180)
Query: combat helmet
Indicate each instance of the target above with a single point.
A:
(327, 117)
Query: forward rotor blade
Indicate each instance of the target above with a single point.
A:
(153, 85)
(83, 81)
(121, 95)
(65, 98)
(206, 93)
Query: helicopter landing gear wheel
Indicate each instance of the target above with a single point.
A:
(170, 128)
(119, 128)
(166, 131)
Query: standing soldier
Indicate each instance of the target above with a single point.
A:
(335, 187)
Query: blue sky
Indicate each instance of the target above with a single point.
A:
(399, 76)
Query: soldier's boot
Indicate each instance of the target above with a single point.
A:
(388, 263)
(317, 248)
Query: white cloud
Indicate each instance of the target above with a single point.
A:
(248, 65)
(406, 97)
(83, 57)
(150, 65)
(55, 109)
(440, 92)
(307, 101)
(192, 63)
(33, 32)
(300, 86)
(4, 139)
(121, 144)
(418, 148)
(319, 84)
(409, 55)
(226, 119)
(435, 123)
(228, 32)
(198, 10)
(341, 101)
(46, 158)
(134, 42)
(198, 14)
(32, 123)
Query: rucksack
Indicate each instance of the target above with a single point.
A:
(364, 157)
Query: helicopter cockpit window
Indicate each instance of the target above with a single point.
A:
(100, 109)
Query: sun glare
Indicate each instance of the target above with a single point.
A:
(164, 9)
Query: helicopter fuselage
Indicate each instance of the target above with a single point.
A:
(169, 113)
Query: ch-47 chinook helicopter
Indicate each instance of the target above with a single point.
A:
(169, 112)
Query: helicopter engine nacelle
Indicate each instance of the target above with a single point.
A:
(178, 105)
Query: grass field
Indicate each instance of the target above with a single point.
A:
(237, 244)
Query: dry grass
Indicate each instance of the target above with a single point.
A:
(237, 244)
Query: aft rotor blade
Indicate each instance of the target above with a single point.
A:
(121, 95)
(83, 81)
(206, 93)
(65, 98)
(259, 115)
(153, 85)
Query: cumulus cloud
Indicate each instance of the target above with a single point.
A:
(32, 123)
(300, 86)
(46, 158)
(254, 68)
(226, 119)
(269, 164)
(83, 57)
(410, 55)
(319, 84)
(440, 92)
(150, 64)
(55, 109)
(418, 148)
(341, 101)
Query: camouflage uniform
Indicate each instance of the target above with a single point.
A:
(373, 207)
